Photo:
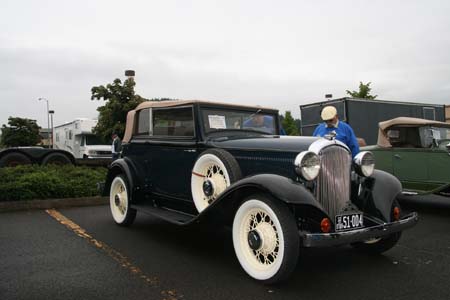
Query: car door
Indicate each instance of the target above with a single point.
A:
(173, 152)
(438, 161)
(409, 158)
(410, 166)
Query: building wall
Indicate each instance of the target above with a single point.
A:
(447, 113)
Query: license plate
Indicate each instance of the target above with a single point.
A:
(349, 221)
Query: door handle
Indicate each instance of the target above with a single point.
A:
(397, 156)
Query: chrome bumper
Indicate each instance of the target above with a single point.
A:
(358, 235)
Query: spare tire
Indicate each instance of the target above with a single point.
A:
(14, 159)
(56, 159)
(213, 172)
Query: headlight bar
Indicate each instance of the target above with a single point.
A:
(307, 165)
(364, 163)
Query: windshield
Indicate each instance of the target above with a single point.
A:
(93, 140)
(215, 120)
(430, 133)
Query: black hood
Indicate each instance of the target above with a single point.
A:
(269, 143)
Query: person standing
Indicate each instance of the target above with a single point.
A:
(116, 146)
(341, 130)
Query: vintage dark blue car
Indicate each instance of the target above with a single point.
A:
(197, 161)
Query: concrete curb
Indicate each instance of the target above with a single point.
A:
(52, 203)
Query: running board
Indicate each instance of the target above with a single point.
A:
(166, 214)
(407, 193)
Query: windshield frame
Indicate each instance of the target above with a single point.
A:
(237, 131)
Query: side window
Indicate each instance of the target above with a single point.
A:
(176, 122)
(70, 134)
(143, 126)
(404, 137)
(57, 137)
(82, 140)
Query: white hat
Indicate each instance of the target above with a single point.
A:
(328, 113)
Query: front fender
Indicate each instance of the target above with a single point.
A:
(386, 188)
(279, 187)
(282, 188)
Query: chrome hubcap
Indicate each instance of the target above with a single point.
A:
(117, 200)
(254, 240)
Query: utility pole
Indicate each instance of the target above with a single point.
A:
(51, 112)
(48, 117)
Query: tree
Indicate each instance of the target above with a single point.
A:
(20, 132)
(289, 124)
(120, 98)
(364, 91)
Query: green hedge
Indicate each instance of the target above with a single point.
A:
(45, 182)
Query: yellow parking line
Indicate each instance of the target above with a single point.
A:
(117, 256)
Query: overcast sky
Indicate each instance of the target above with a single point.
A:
(272, 53)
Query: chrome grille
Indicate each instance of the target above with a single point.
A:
(333, 182)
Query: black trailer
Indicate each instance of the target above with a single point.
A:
(12, 157)
(365, 114)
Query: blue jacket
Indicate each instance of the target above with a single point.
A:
(344, 133)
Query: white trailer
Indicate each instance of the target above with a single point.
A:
(77, 138)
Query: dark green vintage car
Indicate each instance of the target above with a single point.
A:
(417, 152)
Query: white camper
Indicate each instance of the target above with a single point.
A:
(77, 138)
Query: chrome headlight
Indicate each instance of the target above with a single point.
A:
(307, 165)
(364, 163)
(92, 152)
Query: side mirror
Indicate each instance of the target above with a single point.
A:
(448, 148)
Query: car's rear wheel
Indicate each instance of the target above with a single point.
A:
(265, 239)
(119, 201)
(14, 159)
(213, 172)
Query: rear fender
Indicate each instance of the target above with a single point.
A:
(126, 167)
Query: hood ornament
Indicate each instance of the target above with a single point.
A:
(330, 136)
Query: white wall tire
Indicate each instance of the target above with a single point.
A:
(213, 172)
(119, 202)
(265, 239)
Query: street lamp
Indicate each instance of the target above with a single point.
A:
(51, 112)
(48, 117)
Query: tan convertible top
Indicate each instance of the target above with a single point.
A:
(173, 103)
(383, 140)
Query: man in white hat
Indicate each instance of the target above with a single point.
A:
(341, 130)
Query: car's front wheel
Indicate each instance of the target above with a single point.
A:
(378, 245)
(119, 201)
(381, 244)
(265, 239)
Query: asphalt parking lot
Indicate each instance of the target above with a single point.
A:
(79, 253)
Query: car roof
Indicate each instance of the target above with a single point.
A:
(129, 129)
(174, 103)
(383, 140)
(411, 122)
